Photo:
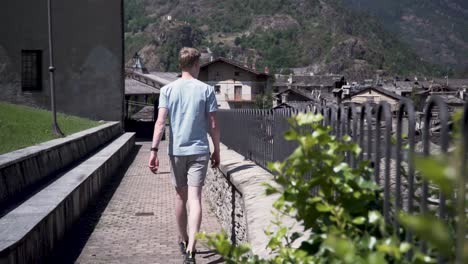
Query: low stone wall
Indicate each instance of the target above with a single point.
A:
(33, 229)
(236, 193)
(22, 170)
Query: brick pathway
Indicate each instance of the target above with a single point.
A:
(138, 225)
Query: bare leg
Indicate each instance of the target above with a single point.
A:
(194, 200)
(181, 212)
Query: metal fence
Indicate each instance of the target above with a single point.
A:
(259, 136)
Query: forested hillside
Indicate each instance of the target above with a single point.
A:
(436, 29)
(323, 36)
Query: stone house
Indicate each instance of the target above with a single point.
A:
(374, 95)
(323, 84)
(292, 95)
(236, 85)
(88, 56)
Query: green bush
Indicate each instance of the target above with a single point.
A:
(341, 218)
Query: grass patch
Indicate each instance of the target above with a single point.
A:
(22, 126)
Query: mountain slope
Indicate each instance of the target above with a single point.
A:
(436, 29)
(320, 35)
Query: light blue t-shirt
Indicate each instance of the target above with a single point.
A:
(188, 102)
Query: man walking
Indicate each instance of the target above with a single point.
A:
(191, 107)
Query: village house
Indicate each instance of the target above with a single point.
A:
(324, 84)
(236, 85)
(374, 95)
(292, 98)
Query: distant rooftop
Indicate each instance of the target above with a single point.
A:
(134, 87)
(163, 78)
(234, 63)
(307, 80)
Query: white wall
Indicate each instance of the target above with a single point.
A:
(227, 92)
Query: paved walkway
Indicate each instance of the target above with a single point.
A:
(138, 225)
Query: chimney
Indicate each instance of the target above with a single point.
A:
(246, 62)
(211, 58)
(267, 71)
(253, 66)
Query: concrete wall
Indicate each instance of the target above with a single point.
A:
(88, 41)
(32, 230)
(23, 170)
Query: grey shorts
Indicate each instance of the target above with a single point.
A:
(189, 170)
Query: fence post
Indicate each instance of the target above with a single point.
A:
(461, 196)
(405, 107)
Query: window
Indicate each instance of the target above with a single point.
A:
(217, 89)
(236, 73)
(238, 92)
(31, 70)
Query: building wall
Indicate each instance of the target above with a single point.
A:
(223, 74)
(88, 54)
(227, 92)
(374, 97)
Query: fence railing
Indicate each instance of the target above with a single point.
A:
(258, 135)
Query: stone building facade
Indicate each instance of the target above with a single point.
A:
(88, 54)
(236, 85)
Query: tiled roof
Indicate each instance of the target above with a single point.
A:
(234, 63)
(134, 87)
(163, 78)
(455, 83)
(304, 94)
(307, 80)
(294, 104)
(452, 99)
(145, 114)
(379, 90)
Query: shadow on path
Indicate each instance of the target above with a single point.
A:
(70, 248)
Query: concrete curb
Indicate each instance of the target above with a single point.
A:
(32, 230)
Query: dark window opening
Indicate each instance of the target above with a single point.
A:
(236, 73)
(31, 70)
(217, 89)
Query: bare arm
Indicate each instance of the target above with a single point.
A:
(157, 135)
(159, 127)
(215, 136)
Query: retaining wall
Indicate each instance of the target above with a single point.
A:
(22, 170)
(30, 232)
(236, 193)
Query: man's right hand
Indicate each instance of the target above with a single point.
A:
(214, 159)
(153, 163)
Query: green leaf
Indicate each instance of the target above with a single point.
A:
(322, 207)
(430, 229)
(437, 170)
(308, 118)
(374, 217)
(359, 220)
(405, 247)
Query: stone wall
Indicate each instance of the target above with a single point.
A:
(240, 184)
(227, 204)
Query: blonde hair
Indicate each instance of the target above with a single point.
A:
(188, 57)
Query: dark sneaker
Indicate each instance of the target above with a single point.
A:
(183, 247)
(189, 258)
